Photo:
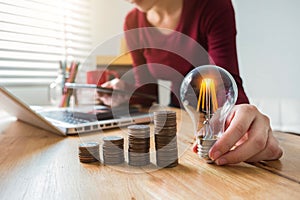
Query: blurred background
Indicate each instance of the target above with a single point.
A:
(38, 33)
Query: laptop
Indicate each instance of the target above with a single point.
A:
(71, 121)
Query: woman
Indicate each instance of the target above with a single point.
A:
(212, 24)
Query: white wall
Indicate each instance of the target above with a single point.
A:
(268, 50)
(108, 18)
(268, 47)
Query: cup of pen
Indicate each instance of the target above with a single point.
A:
(98, 77)
(59, 95)
(56, 89)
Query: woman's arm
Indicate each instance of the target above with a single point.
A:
(220, 30)
(144, 81)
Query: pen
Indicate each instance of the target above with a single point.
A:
(107, 90)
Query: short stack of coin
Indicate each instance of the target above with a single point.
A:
(89, 152)
(165, 138)
(113, 150)
(138, 145)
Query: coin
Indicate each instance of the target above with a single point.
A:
(113, 150)
(88, 152)
(165, 131)
(138, 145)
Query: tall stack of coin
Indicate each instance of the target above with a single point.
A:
(165, 138)
(113, 150)
(138, 145)
(89, 152)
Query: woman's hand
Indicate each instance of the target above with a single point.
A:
(248, 137)
(114, 99)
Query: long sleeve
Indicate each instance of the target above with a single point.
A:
(221, 39)
(144, 81)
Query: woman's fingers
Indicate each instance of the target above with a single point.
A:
(105, 98)
(272, 151)
(195, 147)
(248, 138)
(113, 99)
(258, 134)
(239, 126)
(114, 83)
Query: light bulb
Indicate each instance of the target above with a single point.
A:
(208, 94)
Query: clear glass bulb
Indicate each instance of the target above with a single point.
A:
(208, 94)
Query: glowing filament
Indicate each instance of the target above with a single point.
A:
(207, 100)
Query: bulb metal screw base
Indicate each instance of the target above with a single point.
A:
(204, 146)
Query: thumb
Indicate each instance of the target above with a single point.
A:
(107, 84)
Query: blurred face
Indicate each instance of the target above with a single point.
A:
(143, 5)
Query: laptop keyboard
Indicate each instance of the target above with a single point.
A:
(70, 117)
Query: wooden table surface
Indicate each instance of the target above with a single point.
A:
(36, 164)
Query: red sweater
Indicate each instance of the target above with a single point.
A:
(205, 26)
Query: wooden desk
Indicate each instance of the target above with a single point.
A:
(35, 164)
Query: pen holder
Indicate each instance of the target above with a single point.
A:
(56, 90)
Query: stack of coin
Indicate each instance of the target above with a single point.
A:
(165, 138)
(138, 145)
(89, 152)
(113, 150)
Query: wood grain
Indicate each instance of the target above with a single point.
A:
(35, 164)
(289, 165)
